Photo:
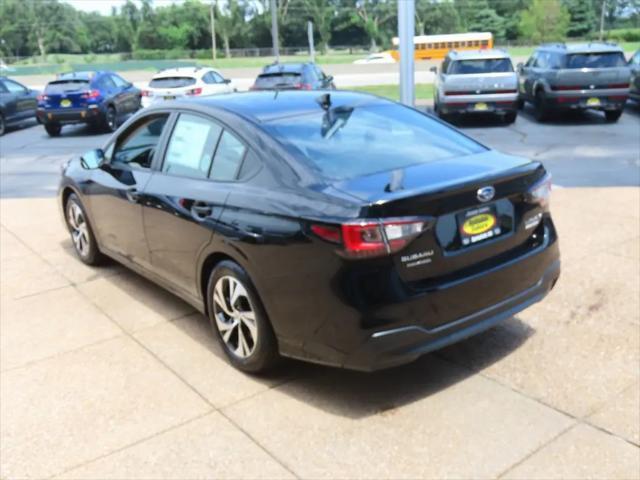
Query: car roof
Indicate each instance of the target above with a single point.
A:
(182, 71)
(264, 106)
(478, 54)
(289, 67)
(601, 47)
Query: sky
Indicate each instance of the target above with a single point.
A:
(104, 6)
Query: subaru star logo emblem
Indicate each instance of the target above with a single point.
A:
(486, 193)
(592, 87)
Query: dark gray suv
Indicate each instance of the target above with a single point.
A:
(576, 77)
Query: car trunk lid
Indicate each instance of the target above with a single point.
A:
(447, 194)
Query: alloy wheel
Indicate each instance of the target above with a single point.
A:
(235, 317)
(79, 230)
(111, 119)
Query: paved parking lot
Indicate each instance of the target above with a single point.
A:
(105, 375)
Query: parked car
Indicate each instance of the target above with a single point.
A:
(634, 84)
(471, 82)
(576, 77)
(101, 99)
(17, 103)
(382, 57)
(293, 76)
(340, 228)
(174, 83)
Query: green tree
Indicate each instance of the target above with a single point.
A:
(434, 17)
(583, 17)
(544, 21)
(487, 20)
(370, 15)
(321, 13)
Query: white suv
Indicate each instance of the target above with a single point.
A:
(175, 83)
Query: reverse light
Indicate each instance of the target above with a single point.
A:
(541, 191)
(366, 239)
(195, 91)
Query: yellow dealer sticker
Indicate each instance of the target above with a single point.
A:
(479, 224)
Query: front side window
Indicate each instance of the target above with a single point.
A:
(191, 147)
(484, 65)
(348, 142)
(136, 147)
(228, 159)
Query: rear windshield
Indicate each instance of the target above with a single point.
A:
(60, 86)
(350, 142)
(595, 60)
(484, 65)
(277, 80)
(172, 82)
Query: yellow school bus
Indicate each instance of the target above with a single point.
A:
(428, 47)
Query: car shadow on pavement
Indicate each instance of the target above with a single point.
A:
(571, 117)
(349, 393)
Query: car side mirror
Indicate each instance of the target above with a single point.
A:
(227, 81)
(328, 78)
(92, 159)
(434, 69)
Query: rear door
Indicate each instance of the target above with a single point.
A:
(115, 192)
(186, 195)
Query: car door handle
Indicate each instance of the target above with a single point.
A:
(200, 210)
(132, 195)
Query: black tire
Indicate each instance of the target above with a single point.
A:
(3, 125)
(53, 129)
(612, 116)
(263, 354)
(510, 117)
(111, 119)
(91, 254)
(541, 108)
(520, 103)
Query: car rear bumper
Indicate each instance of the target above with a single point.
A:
(388, 348)
(502, 103)
(66, 116)
(613, 99)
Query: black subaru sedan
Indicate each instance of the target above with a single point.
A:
(333, 227)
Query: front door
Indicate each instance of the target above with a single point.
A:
(115, 190)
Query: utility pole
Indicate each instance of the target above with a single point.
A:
(213, 30)
(274, 30)
(602, 12)
(406, 32)
(312, 50)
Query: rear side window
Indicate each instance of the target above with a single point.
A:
(595, 60)
(119, 81)
(277, 80)
(228, 157)
(484, 65)
(191, 147)
(348, 142)
(172, 82)
(61, 86)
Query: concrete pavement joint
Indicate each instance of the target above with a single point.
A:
(133, 444)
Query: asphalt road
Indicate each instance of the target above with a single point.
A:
(579, 150)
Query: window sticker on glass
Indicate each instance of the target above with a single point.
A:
(191, 147)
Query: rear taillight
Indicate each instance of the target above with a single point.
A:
(145, 93)
(618, 85)
(366, 239)
(91, 94)
(43, 98)
(541, 191)
(304, 86)
(195, 91)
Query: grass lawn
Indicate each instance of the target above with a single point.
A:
(248, 62)
(423, 91)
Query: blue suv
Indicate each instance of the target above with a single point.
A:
(100, 99)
